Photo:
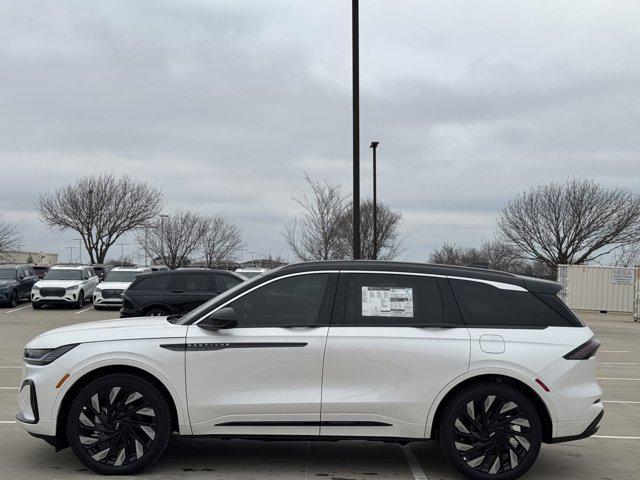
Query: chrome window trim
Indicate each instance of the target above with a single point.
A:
(499, 285)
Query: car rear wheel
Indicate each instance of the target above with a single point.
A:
(491, 431)
(156, 312)
(118, 424)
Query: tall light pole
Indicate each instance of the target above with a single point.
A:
(355, 56)
(70, 254)
(122, 245)
(374, 146)
(79, 250)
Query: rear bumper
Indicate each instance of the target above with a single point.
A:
(590, 430)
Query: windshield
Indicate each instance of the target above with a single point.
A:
(205, 306)
(64, 274)
(121, 276)
(7, 273)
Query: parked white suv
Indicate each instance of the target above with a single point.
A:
(65, 285)
(109, 292)
(489, 364)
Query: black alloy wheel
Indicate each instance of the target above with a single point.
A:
(13, 299)
(491, 431)
(155, 312)
(118, 424)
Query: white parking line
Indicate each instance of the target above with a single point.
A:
(8, 388)
(7, 421)
(609, 363)
(613, 437)
(8, 366)
(84, 310)
(619, 401)
(621, 379)
(18, 309)
(414, 465)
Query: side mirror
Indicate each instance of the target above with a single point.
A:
(224, 318)
(20, 277)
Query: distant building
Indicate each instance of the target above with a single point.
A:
(38, 258)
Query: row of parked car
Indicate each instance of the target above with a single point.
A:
(137, 291)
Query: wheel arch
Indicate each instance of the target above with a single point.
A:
(145, 308)
(61, 441)
(539, 404)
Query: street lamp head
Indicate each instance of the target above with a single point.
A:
(374, 144)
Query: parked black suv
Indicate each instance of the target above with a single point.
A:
(101, 270)
(16, 282)
(174, 292)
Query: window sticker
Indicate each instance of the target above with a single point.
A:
(387, 302)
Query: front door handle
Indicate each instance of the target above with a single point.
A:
(177, 291)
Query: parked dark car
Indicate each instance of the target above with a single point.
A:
(16, 282)
(159, 268)
(174, 292)
(41, 270)
(101, 270)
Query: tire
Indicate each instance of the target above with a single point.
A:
(156, 312)
(36, 305)
(13, 299)
(487, 419)
(126, 441)
(80, 302)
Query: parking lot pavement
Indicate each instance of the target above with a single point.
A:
(612, 454)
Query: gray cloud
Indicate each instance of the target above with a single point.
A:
(225, 104)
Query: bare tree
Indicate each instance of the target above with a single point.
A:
(100, 208)
(10, 235)
(389, 240)
(627, 256)
(316, 235)
(495, 254)
(221, 239)
(572, 223)
(176, 238)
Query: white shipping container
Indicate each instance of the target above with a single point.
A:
(608, 289)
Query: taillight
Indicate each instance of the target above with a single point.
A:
(585, 351)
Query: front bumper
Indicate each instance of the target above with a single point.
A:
(99, 300)
(5, 294)
(67, 298)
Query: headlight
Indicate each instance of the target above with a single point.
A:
(72, 287)
(35, 287)
(44, 356)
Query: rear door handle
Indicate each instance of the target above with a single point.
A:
(177, 291)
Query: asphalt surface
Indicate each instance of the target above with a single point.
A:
(614, 454)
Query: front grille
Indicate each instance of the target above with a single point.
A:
(53, 292)
(111, 293)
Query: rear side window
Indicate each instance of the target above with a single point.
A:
(192, 282)
(484, 305)
(160, 282)
(392, 300)
(225, 282)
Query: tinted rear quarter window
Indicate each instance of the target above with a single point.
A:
(159, 282)
(484, 305)
(383, 299)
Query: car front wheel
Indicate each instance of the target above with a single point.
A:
(118, 424)
(491, 431)
(13, 299)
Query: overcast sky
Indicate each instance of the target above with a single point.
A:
(224, 105)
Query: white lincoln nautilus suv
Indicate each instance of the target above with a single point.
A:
(489, 364)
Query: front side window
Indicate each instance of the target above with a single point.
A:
(392, 300)
(192, 282)
(291, 301)
(484, 305)
(160, 282)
